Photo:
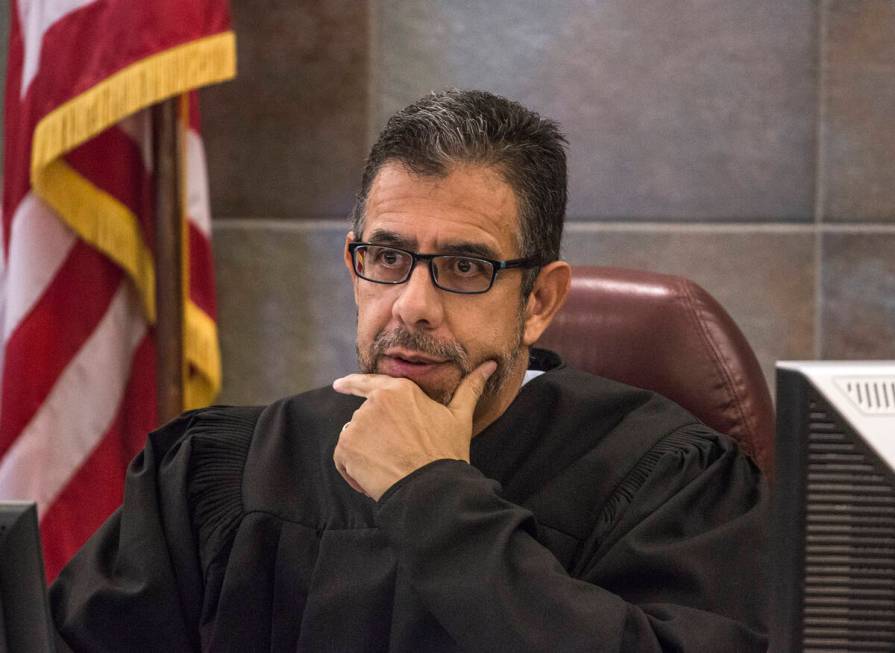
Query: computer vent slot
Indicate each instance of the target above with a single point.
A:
(849, 592)
(873, 395)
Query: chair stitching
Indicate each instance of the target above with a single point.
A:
(719, 360)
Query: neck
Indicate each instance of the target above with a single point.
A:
(490, 408)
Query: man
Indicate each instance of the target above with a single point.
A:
(463, 492)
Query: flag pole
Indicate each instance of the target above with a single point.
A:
(168, 261)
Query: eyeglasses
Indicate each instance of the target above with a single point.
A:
(468, 275)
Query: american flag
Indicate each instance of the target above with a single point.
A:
(77, 275)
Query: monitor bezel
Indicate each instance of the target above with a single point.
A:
(22, 581)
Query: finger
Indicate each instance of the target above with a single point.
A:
(470, 389)
(343, 471)
(350, 480)
(360, 385)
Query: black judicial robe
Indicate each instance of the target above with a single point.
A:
(594, 517)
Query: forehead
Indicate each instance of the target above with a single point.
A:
(471, 204)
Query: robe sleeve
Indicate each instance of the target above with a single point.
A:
(674, 563)
(137, 585)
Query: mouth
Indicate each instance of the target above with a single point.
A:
(412, 365)
(409, 357)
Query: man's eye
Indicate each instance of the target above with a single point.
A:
(467, 267)
(388, 257)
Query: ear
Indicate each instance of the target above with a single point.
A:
(349, 264)
(546, 298)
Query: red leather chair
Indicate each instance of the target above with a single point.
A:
(667, 334)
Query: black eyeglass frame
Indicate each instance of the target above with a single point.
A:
(496, 266)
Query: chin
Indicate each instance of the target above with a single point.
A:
(440, 390)
(440, 393)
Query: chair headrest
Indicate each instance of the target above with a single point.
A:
(667, 334)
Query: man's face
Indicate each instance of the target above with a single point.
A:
(418, 331)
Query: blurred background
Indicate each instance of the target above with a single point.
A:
(747, 145)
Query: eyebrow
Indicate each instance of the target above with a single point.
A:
(385, 237)
(457, 248)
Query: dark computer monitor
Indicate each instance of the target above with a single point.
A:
(25, 623)
(833, 530)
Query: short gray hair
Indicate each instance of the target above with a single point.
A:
(455, 126)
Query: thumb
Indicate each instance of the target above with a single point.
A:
(471, 388)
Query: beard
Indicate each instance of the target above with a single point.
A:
(451, 351)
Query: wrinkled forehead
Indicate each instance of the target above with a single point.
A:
(470, 204)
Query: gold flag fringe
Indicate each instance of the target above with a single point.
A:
(201, 350)
(100, 219)
(139, 85)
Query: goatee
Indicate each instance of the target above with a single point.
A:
(449, 351)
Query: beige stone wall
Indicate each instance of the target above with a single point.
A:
(747, 145)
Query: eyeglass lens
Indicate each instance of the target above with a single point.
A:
(458, 273)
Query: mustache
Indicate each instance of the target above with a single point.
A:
(424, 343)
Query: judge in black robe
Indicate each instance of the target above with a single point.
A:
(593, 517)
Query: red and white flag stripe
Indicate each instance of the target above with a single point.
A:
(77, 302)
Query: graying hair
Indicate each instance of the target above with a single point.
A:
(453, 127)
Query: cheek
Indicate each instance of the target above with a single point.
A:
(486, 329)
(373, 313)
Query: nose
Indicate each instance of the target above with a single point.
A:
(419, 304)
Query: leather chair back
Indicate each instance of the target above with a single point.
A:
(667, 334)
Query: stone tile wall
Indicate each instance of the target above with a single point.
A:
(676, 110)
(745, 145)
